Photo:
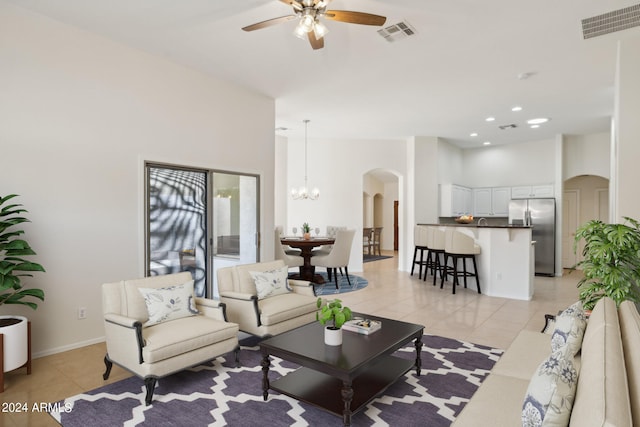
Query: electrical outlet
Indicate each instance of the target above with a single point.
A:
(499, 276)
(82, 313)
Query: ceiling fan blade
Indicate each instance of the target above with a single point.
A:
(355, 17)
(268, 23)
(293, 3)
(315, 42)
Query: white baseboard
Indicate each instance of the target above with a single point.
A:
(64, 348)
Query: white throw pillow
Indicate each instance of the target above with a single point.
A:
(551, 392)
(271, 282)
(173, 302)
(569, 329)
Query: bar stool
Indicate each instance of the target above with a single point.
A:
(459, 246)
(420, 242)
(436, 239)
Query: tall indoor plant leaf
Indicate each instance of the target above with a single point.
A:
(13, 267)
(611, 261)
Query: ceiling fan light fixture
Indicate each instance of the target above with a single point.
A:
(319, 29)
(307, 23)
(300, 32)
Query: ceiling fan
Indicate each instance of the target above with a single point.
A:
(309, 12)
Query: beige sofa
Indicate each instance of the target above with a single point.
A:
(608, 365)
(268, 316)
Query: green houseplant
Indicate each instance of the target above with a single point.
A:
(611, 261)
(334, 312)
(13, 267)
(306, 230)
(12, 264)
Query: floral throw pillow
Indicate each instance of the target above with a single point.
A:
(569, 329)
(173, 302)
(271, 282)
(551, 392)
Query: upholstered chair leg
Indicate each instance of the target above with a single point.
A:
(236, 355)
(335, 278)
(346, 270)
(150, 384)
(108, 364)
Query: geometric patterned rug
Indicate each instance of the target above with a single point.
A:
(219, 394)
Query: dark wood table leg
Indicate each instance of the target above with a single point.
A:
(418, 344)
(307, 271)
(347, 396)
(265, 376)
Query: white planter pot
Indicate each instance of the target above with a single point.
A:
(332, 335)
(16, 345)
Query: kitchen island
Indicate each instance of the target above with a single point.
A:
(506, 263)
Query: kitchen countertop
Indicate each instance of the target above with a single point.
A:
(478, 226)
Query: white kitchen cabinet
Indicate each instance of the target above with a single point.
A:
(482, 202)
(455, 200)
(500, 197)
(491, 201)
(532, 191)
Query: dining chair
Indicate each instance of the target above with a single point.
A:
(367, 236)
(375, 240)
(287, 249)
(339, 255)
(291, 260)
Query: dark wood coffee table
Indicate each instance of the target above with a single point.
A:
(340, 379)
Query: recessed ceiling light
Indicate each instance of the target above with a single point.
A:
(473, 134)
(490, 119)
(535, 126)
(538, 121)
(517, 108)
(486, 143)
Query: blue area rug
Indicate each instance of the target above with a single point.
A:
(220, 394)
(329, 287)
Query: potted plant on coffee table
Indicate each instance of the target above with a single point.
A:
(334, 312)
(13, 267)
(611, 261)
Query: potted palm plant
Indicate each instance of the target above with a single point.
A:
(13, 267)
(611, 261)
(332, 311)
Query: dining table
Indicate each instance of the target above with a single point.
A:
(306, 246)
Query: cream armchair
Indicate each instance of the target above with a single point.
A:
(267, 316)
(152, 352)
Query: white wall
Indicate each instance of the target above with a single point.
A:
(78, 116)
(627, 139)
(509, 165)
(337, 167)
(586, 155)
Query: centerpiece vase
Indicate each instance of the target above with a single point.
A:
(306, 236)
(332, 335)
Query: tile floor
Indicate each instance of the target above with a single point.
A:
(390, 293)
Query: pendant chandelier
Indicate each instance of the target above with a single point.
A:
(303, 192)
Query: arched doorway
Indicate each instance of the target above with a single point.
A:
(379, 204)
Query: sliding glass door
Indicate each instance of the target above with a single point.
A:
(199, 221)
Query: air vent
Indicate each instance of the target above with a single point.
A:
(509, 126)
(611, 22)
(397, 31)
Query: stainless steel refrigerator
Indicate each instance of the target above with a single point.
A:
(540, 214)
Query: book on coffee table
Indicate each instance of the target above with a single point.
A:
(362, 326)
